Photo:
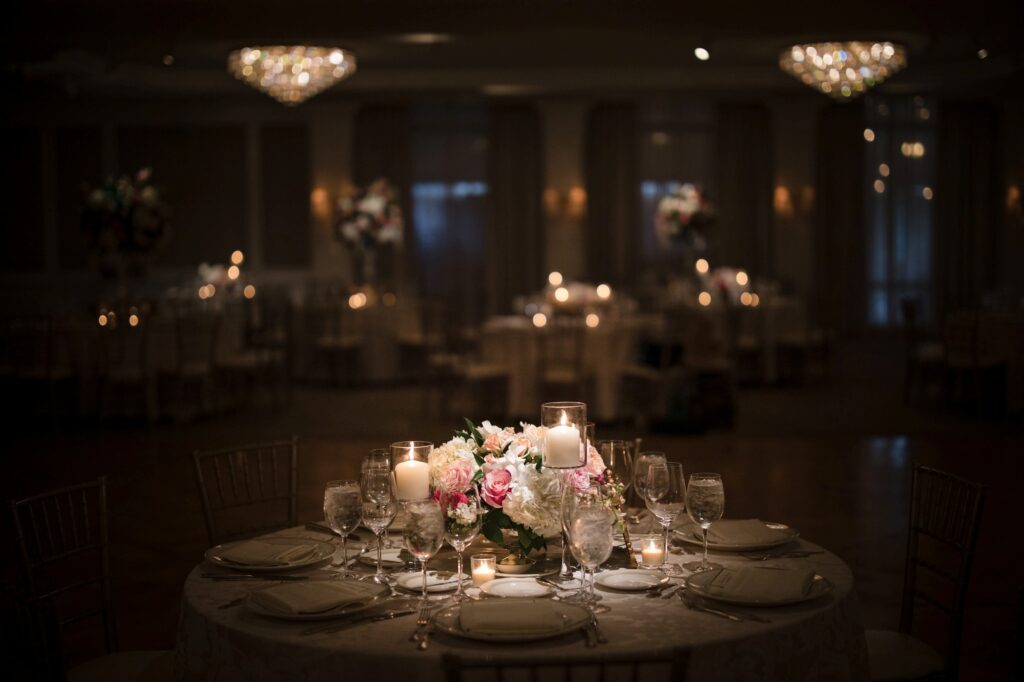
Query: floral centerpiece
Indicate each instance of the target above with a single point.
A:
(124, 219)
(370, 217)
(517, 493)
(684, 215)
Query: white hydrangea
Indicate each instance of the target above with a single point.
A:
(535, 500)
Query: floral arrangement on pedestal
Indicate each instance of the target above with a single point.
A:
(366, 220)
(684, 215)
(517, 493)
(123, 220)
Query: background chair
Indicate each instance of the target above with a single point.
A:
(670, 666)
(65, 557)
(945, 512)
(561, 363)
(248, 490)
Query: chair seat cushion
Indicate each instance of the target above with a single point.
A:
(126, 666)
(897, 656)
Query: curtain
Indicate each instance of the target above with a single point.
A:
(745, 178)
(967, 205)
(382, 149)
(840, 259)
(515, 237)
(613, 194)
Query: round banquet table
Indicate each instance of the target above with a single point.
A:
(818, 640)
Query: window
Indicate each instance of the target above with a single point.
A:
(900, 139)
(449, 204)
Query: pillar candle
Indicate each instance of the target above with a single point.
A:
(412, 480)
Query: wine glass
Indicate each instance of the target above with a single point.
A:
(424, 533)
(590, 537)
(378, 458)
(667, 500)
(705, 503)
(342, 511)
(618, 457)
(462, 522)
(644, 461)
(379, 507)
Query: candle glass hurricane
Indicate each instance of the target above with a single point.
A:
(409, 460)
(565, 447)
(379, 507)
(424, 533)
(343, 511)
(462, 523)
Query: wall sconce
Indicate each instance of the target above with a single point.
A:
(570, 204)
(782, 200)
(320, 203)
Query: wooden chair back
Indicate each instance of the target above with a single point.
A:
(248, 490)
(945, 513)
(65, 554)
(671, 665)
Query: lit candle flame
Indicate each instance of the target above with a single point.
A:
(565, 420)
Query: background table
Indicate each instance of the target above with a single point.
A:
(818, 640)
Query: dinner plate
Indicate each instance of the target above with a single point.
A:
(322, 552)
(389, 557)
(515, 587)
(689, 532)
(436, 582)
(568, 618)
(698, 582)
(630, 579)
(372, 590)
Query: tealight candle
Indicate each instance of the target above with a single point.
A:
(652, 553)
(483, 567)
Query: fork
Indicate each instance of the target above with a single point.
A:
(422, 621)
(601, 639)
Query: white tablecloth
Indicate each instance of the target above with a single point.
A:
(819, 640)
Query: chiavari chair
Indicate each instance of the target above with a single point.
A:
(945, 513)
(65, 557)
(671, 665)
(247, 490)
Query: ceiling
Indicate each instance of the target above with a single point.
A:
(503, 46)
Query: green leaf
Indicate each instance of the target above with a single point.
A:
(477, 436)
(492, 532)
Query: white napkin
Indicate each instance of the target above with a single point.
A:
(310, 596)
(760, 584)
(509, 617)
(742, 532)
(262, 553)
(388, 556)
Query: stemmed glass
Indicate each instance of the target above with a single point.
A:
(424, 533)
(618, 457)
(342, 511)
(379, 458)
(666, 488)
(644, 461)
(590, 538)
(379, 507)
(462, 522)
(705, 503)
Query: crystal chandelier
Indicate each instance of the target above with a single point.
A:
(291, 73)
(843, 70)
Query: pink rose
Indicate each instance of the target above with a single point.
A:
(492, 443)
(450, 500)
(456, 477)
(496, 486)
(579, 479)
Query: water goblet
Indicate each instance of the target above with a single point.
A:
(342, 511)
(590, 538)
(379, 507)
(424, 533)
(705, 503)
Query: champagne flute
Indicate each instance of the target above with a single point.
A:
(379, 506)
(342, 511)
(667, 487)
(424, 533)
(705, 503)
(462, 523)
(590, 538)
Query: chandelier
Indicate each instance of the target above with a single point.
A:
(843, 70)
(291, 74)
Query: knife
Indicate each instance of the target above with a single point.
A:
(372, 618)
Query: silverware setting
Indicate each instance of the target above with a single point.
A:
(596, 628)
(357, 620)
(694, 603)
(254, 576)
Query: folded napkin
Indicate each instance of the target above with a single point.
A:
(742, 532)
(311, 596)
(262, 553)
(508, 617)
(392, 556)
(754, 583)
